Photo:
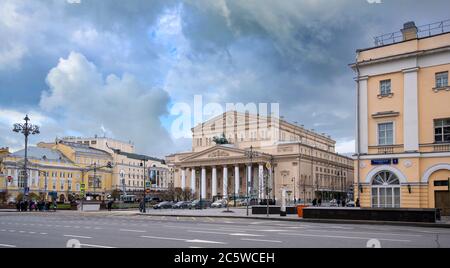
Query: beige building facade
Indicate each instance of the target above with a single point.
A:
(403, 135)
(263, 156)
(129, 168)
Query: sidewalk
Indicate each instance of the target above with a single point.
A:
(240, 213)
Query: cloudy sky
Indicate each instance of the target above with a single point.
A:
(117, 68)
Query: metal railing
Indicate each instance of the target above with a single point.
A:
(422, 31)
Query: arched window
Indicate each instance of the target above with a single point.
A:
(385, 190)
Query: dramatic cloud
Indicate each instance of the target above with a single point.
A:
(117, 106)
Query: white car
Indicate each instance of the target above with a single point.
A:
(219, 204)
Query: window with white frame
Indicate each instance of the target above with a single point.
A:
(442, 130)
(54, 184)
(385, 87)
(386, 133)
(442, 80)
(61, 185)
(385, 190)
(69, 185)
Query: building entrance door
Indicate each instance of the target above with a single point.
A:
(442, 202)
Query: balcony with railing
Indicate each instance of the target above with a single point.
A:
(386, 149)
(435, 148)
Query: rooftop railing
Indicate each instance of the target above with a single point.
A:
(422, 31)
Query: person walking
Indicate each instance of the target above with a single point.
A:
(343, 203)
(319, 202)
(357, 203)
(314, 202)
(54, 205)
(110, 205)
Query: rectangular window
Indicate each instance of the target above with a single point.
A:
(442, 130)
(385, 87)
(386, 134)
(442, 80)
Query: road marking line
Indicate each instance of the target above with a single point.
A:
(261, 240)
(135, 231)
(12, 231)
(163, 238)
(21, 231)
(241, 234)
(78, 236)
(7, 246)
(43, 233)
(204, 241)
(347, 237)
(233, 234)
(31, 232)
(95, 246)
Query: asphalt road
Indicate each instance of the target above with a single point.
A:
(50, 230)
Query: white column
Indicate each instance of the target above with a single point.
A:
(363, 116)
(214, 182)
(249, 179)
(236, 180)
(410, 113)
(193, 186)
(225, 182)
(183, 179)
(261, 181)
(203, 178)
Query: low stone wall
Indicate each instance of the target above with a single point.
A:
(368, 214)
(262, 210)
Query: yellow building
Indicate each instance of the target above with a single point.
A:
(49, 172)
(403, 135)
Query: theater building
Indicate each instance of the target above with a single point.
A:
(261, 156)
(403, 134)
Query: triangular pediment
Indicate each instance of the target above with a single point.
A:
(216, 152)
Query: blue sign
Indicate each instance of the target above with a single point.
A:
(376, 162)
(381, 162)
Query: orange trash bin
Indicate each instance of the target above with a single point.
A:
(300, 210)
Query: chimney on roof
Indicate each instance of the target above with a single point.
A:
(409, 31)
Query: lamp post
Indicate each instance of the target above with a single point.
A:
(250, 154)
(45, 173)
(145, 181)
(295, 183)
(26, 129)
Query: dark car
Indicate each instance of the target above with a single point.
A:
(163, 205)
(197, 204)
(181, 204)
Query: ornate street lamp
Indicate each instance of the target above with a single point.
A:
(26, 129)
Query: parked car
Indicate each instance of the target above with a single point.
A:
(333, 203)
(350, 204)
(197, 204)
(219, 204)
(163, 205)
(181, 205)
(239, 202)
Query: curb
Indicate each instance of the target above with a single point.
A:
(393, 223)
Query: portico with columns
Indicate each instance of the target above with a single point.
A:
(222, 173)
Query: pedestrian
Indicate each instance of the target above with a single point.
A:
(25, 206)
(357, 203)
(110, 205)
(314, 202)
(338, 202)
(319, 202)
(54, 205)
(18, 206)
(343, 202)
